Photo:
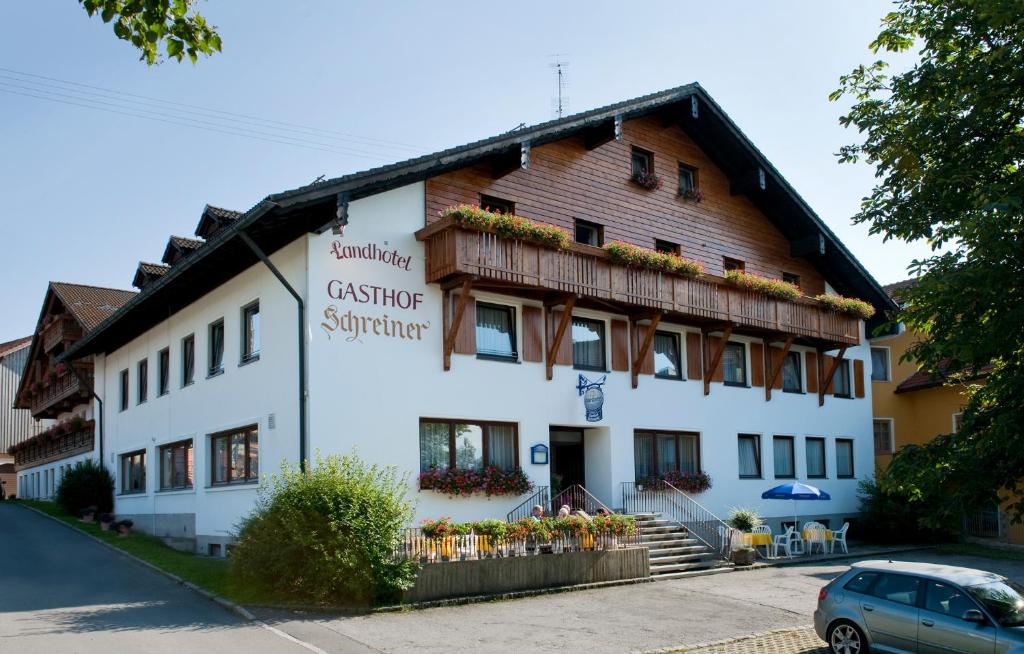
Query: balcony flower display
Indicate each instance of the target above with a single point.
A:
(694, 194)
(775, 288)
(490, 481)
(507, 225)
(638, 257)
(848, 305)
(688, 482)
(649, 181)
(439, 528)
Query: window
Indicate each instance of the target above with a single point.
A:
(901, 589)
(792, 373)
(589, 233)
(862, 582)
(883, 436)
(642, 162)
(666, 247)
(133, 472)
(658, 452)
(188, 360)
(497, 205)
(732, 264)
(841, 379)
(250, 333)
(750, 456)
(844, 458)
(176, 465)
(235, 456)
(880, 364)
(791, 278)
(815, 451)
(666, 356)
(946, 599)
(734, 364)
(588, 344)
(216, 348)
(687, 179)
(496, 331)
(447, 444)
(124, 389)
(785, 461)
(143, 380)
(958, 419)
(163, 371)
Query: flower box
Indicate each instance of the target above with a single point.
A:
(633, 255)
(507, 225)
(491, 481)
(649, 181)
(846, 305)
(774, 288)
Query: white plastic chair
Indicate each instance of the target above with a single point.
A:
(816, 536)
(839, 538)
(788, 542)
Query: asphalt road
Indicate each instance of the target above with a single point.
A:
(62, 592)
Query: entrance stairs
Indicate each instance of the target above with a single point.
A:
(673, 551)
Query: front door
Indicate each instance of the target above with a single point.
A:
(566, 458)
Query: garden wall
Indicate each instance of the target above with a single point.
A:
(437, 581)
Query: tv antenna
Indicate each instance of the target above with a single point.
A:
(561, 104)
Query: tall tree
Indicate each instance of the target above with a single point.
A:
(946, 138)
(148, 24)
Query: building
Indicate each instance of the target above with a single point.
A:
(60, 395)
(350, 314)
(16, 425)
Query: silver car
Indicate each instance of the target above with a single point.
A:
(886, 606)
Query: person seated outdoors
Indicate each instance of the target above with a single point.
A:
(583, 514)
(565, 511)
(538, 513)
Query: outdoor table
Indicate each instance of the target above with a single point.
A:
(807, 534)
(758, 540)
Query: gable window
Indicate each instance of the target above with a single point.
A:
(791, 278)
(883, 436)
(750, 456)
(844, 458)
(666, 356)
(235, 456)
(657, 452)
(497, 205)
(188, 360)
(589, 233)
(588, 344)
(815, 451)
(728, 263)
(666, 247)
(792, 375)
(250, 332)
(215, 358)
(454, 444)
(124, 389)
(642, 163)
(133, 472)
(143, 380)
(687, 180)
(734, 364)
(880, 364)
(176, 465)
(785, 460)
(163, 371)
(495, 331)
(841, 380)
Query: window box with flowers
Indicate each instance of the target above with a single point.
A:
(491, 481)
(646, 179)
(848, 305)
(774, 288)
(628, 254)
(688, 482)
(507, 225)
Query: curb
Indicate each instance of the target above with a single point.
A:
(726, 641)
(782, 563)
(217, 599)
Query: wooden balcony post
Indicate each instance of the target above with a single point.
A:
(645, 347)
(774, 371)
(451, 326)
(826, 381)
(712, 359)
(556, 340)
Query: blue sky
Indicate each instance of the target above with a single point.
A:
(89, 193)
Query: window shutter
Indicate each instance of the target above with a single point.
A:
(620, 345)
(647, 365)
(694, 360)
(826, 365)
(811, 358)
(858, 378)
(465, 340)
(533, 334)
(714, 342)
(757, 364)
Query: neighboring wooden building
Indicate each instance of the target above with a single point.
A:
(16, 425)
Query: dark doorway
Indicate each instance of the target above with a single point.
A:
(566, 458)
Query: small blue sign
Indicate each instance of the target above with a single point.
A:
(539, 454)
(593, 397)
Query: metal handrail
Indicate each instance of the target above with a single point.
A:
(541, 497)
(577, 497)
(668, 500)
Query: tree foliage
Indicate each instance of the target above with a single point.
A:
(84, 485)
(147, 24)
(946, 138)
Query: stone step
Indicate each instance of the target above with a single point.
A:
(697, 572)
(671, 551)
(661, 529)
(657, 570)
(661, 537)
(681, 558)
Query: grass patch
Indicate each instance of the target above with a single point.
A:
(973, 549)
(207, 573)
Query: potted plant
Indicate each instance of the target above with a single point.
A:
(439, 533)
(744, 519)
(460, 531)
(124, 527)
(88, 514)
(106, 519)
(743, 555)
(694, 194)
(493, 532)
(647, 180)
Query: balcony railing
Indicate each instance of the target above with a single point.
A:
(589, 272)
(65, 388)
(47, 447)
(59, 333)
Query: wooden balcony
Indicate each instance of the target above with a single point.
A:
(61, 332)
(588, 273)
(63, 393)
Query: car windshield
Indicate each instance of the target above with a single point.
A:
(1004, 600)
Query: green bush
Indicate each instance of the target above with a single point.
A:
(86, 484)
(888, 516)
(744, 519)
(327, 536)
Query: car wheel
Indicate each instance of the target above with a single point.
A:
(846, 638)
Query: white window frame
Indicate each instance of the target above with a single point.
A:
(892, 434)
(888, 364)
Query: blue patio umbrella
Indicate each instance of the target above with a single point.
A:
(795, 491)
